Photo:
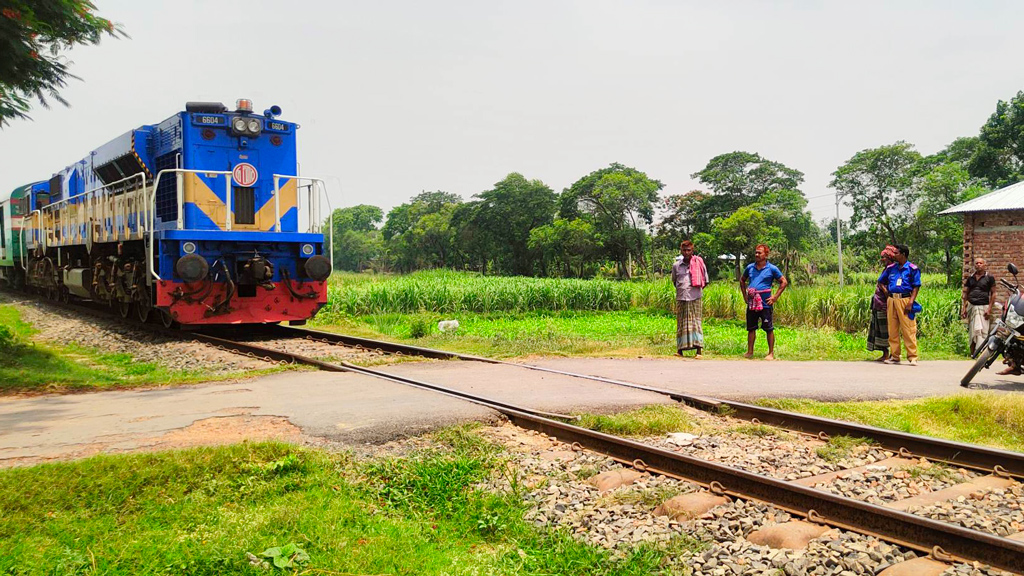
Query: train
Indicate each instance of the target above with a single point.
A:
(201, 219)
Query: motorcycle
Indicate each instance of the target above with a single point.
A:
(1007, 334)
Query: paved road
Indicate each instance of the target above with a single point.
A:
(348, 408)
(826, 381)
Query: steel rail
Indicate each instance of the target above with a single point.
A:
(917, 532)
(258, 351)
(958, 453)
(370, 344)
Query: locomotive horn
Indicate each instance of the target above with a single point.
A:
(273, 111)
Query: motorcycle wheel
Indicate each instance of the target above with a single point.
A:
(982, 361)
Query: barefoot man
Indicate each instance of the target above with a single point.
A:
(756, 286)
(689, 276)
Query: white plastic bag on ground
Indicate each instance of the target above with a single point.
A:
(447, 325)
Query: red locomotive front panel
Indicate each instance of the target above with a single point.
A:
(220, 303)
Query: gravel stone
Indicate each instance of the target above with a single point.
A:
(995, 511)
(883, 484)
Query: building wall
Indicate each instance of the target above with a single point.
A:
(998, 237)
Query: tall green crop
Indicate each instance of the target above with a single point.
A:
(449, 293)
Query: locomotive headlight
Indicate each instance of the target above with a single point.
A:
(307, 249)
(255, 126)
(238, 125)
(188, 247)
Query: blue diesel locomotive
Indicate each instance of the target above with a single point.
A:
(201, 219)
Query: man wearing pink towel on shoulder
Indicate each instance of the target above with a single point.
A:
(689, 276)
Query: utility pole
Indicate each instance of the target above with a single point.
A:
(839, 239)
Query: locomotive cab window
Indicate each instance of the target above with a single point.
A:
(3, 228)
(245, 205)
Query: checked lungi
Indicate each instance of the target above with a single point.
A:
(977, 323)
(878, 331)
(689, 325)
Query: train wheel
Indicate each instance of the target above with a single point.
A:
(65, 295)
(143, 308)
(124, 308)
(166, 319)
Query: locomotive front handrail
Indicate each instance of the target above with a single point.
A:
(151, 206)
(317, 184)
(314, 209)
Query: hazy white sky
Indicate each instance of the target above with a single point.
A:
(398, 97)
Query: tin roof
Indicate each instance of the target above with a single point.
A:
(1009, 198)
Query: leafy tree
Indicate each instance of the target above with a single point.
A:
(962, 151)
(944, 186)
(419, 233)
(357, 241)
(739, 178)
(361, 218)
(571, 245)
(358, 250)
(999, 155)
(878, 185)
(683, 216)
(508, 213)
(787, 211)
(433, 238)
(742, 231)
(33, 35)
(619, 202)
(475, 245)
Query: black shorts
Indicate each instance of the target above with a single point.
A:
(762, 317)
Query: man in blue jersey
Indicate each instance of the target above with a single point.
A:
(756, 286)
(901, 283)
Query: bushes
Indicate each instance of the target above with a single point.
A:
(8, 338)
(446, 292)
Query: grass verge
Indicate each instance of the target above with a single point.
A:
(646, 421)
(978, 418)
(227, 510)
(624, 334)
(29, 367)
(839, 448)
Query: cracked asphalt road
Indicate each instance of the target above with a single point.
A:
(320, 407)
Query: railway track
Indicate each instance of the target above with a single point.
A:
(942, 541)
(989, 460)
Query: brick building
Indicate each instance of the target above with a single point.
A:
(994, 230)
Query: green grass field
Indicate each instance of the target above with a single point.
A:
(204, 511)
(213, 510)
(976, 418)
(509, 317)
(30, 367)
(629, 333)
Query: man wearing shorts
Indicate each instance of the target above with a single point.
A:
(756, 286)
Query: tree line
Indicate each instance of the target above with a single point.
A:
(615, 221)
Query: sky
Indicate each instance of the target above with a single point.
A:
(397, 97)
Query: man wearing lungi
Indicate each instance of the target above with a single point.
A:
(976, 303)
(689, 276)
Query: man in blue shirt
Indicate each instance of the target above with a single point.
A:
(756, 286)
(901, 283)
